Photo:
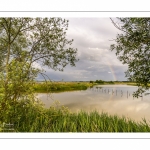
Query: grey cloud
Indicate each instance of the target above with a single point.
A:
(91, 31)
(92, 39)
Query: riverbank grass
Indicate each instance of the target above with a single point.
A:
(36, 118)
(60, 86)
(95, 122)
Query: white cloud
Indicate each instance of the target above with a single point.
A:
(37, 65)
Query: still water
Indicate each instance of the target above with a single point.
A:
(113, 99)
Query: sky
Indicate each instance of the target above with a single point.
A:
(92, 37)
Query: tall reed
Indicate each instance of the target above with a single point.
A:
(35, 118)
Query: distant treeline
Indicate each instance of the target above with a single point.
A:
(91, 82)
(110, 82)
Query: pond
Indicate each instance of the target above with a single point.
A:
(113, 99)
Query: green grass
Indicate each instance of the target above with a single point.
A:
(135, 84)
(35, 118)
(60, 86)
(45, 87)
(132, 84)
(94, 122)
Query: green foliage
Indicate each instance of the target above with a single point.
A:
(23, 43)
(41, 39)
(133, 48)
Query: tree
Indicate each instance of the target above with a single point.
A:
(133, 48)
(99, 81)
(24, 41)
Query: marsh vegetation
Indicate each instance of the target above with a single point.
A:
(60, 86)
(35, 118)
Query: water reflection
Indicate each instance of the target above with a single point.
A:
(114, 99)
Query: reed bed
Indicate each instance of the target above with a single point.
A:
(35, 118)
(95, 122)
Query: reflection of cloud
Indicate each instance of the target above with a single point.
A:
(91, 100)
(138, 107)
(109, 72)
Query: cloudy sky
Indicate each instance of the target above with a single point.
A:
(92, 37)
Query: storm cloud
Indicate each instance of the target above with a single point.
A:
(92, 37)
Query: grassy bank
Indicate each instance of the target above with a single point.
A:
(134, 84)
(61, 86)
(44, 87)
(94, 122)
(35, 118)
